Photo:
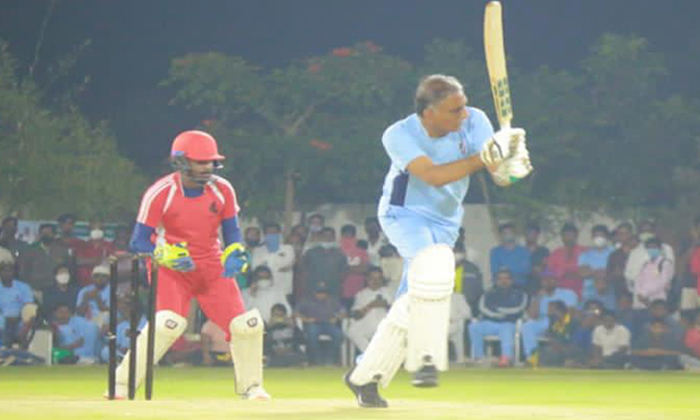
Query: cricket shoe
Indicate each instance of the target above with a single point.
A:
(257, 393)
(426, 376)
(367, 395)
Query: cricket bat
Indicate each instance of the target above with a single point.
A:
(496, 63)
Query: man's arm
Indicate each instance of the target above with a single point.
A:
(424, 169)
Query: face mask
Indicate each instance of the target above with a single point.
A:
(509, 237)
(315, 228)
(252, 243)
(645, 236)
(272, 241)
(46, 240)
(62, 278)
(600, 241)
(653, 252)
(264, 283)
(97, 234)
(327, 245)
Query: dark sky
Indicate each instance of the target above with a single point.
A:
(133, 40)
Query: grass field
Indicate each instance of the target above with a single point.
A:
(206, 393)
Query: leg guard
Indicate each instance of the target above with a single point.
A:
(169, 327)
(247, 349)
(431, 278)
(387, 350)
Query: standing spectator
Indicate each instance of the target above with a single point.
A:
(324, 263)
(564, 260)
(509, 255)
(93, 300)
(375, 239)
(500, 308)
(626, 241)
(657, 348)
(215, 350)
(538, 253)
(593, 262)
(315, 223)
(321, 314)
(66, 235)
(639, 255)
(263, 293)
(558, 349)
(121, 249)
(277, 256)
(391, 264)
(8, 237)
(92, 253)
(62, 292)
(468, 278)
(370, 307)
(38, 264)
(538, 321)
(357, 263)
(283, 340)
(611, 343)
(14, 296)
(76, 334)
(654, 279)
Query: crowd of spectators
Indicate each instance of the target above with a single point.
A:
(613, 303)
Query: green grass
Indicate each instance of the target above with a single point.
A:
(207, 393)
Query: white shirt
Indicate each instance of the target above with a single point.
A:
(393, 271)
(264, 299)
(280, 264)
(611, 340)
(365, 297)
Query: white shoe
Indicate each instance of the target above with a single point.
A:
(257, 393)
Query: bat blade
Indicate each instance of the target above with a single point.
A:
(496, 62)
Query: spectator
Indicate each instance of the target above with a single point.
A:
(283, 340)
(93, 300)
(593, 262)
(92, 253)
(321, 314)
(123, 328)
(122, 250)
(558, 349)
(375, 240)
(38, 264)
(370, 307)
(500, 308)
(357, 262)
(639, 255)
(694, 259)
(324, 263)
(602, 292)
(278, 257)
(654, 279)
(626, 241)
(538, 253)
(624, 312)
(538, 322)
(692, 336)
(658, 309)
(511, 256)
(66, 235)
(564, 260)
(460, 313)
(657, 348)
(15, 295)
(391, 264)
(76, 334)
(215, 348)
(263, 293)
(611, 343)
(590, 317)
(468, 278)
(315, 222)
(62, 292)
(252, 238)
(8, 237)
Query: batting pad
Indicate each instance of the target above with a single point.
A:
(169, 327)
(247, 349)
(387, 350)
(431, 276)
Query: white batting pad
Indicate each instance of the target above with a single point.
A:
(431, 277)
(247, 349)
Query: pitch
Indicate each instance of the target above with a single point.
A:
(318, 393)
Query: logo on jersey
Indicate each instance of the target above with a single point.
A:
(463, 146)
(213, 207)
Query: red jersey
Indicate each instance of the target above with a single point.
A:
(194, 220)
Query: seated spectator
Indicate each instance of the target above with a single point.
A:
(93, 300)
(611, 343)
(602, 292)
(75, 334)
(500, 307)
(357, 263)
(15, 295)
(563, 261)
(215, 348)
(657, 348)
(593, 262)
(659, 310)
(460, 312)
(370, 307)
(94, 252)
(589, 319)
(324, 262)
(509, 255)
(123, 328)
(263, 293)
(538, 319)
(654, 279)
(625, 314)
(391, 264)
(692, 337)
(468, 278)
(283, 340)
(64, 291)
(558, 349)
(321, 315)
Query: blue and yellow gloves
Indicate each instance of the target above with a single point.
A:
(175, 257)
(234, 260)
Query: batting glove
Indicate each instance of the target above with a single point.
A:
(501, 146)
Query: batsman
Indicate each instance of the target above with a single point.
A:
(178, 225)
(433, 152)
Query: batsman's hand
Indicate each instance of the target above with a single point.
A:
(175, 257)
(501, 146)
(514, 168)
(234, 260)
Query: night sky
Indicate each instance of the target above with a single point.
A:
(133, 41)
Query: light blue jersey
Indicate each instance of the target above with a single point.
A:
(406, 140)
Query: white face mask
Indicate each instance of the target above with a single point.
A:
(264, 283)
(600, 241)
(97, 234)
(62, 278)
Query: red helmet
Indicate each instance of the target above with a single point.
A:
(195, 145)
